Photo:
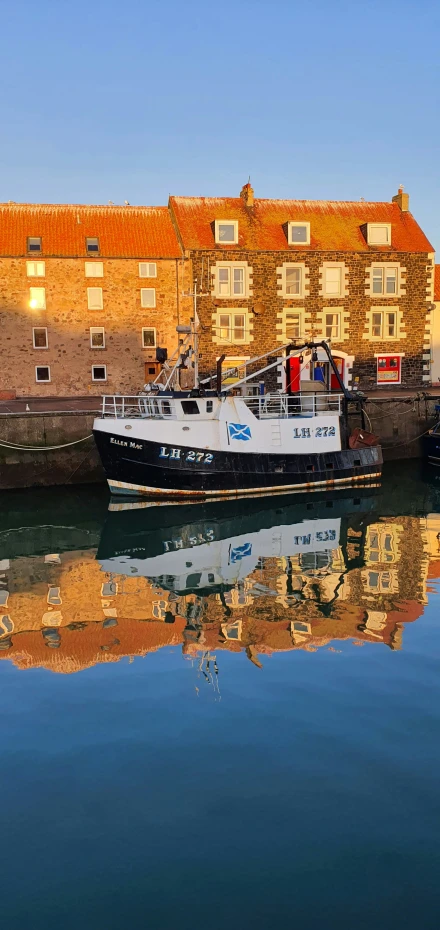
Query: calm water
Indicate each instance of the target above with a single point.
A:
(225, 715)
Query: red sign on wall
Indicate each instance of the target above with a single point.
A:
(389, 369)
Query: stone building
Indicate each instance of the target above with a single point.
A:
(277, 271)
(87, 293)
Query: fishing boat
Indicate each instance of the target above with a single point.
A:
(232, 436)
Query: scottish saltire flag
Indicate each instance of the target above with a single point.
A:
(239, 431)
(240, 552)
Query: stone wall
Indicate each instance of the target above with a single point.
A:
(266, 306)
(68, 321)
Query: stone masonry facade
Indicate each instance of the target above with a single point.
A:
(265, 307)
(69, 321)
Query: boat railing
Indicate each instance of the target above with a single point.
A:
(280, 406)
(120, 406)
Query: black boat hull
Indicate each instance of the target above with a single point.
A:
(138, 468)
(431, 448)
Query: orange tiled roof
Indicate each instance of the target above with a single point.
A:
(437, 283)
(123, 232)
(334, 225)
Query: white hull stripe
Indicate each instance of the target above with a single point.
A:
(118, 487)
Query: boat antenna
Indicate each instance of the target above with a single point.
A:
(195, 324)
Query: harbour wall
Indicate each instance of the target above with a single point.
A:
(397, 421)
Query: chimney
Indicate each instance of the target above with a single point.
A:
(402, 199)
(247, 194)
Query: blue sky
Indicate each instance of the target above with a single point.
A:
(136, 100)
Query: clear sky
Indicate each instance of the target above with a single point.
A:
(136, 100)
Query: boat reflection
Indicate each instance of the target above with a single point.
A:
(261, 577)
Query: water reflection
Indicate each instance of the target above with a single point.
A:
(261, 576)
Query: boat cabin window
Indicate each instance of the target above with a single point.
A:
(190, 406)
(209, 406)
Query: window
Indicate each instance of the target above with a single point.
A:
(230, 280)
(42, 373)
(384, 324)
(35, 269)
(92, 245)
(299, 233)
(94, 269)
(97, 337)
(39, 334)
(190, 407)
(99, 373)
(332, 281)
(379, 233)
(232, 630)
(37, 298)
(54, 596)
(232, 326)
(332, 325)
(94, 298)
(384, 280)
(109, 589)
(147, 270)
(292, 324)
(226, 231)
(148, 338)
(293, 281)
(148, 297)
(34, 244)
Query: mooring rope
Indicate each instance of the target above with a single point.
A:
(12, 445)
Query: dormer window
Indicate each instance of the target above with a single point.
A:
(299, 233)
(34, 244)
(226, 232)
(379, 233)
(92, 245)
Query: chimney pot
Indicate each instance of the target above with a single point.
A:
(402, 199)
(247, 194)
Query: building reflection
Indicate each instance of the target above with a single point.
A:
(278, 583)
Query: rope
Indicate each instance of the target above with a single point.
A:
(16, 447)
(407, 441)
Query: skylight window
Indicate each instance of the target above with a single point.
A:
(92, 245)
(226, 232)
(299, 233)
(379, 233)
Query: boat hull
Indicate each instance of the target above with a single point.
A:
(431, 448)
(141, 468)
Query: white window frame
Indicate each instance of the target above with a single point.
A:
(290, 227)
(40, 348)
(94, 269)
(232, 312)
(149, 266)
(372, 231)
(35, 274)
(97, 329)
(219, 223)
(231, 267)
(89, 299)
(34, 239)
(296, 311)
(384, 266)
(287, 266)
(32, 297)
(146, 290)
(99, 380)
(333, 266)
(42, 380)
(383, 312)
(149, 329)
(337, 313)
